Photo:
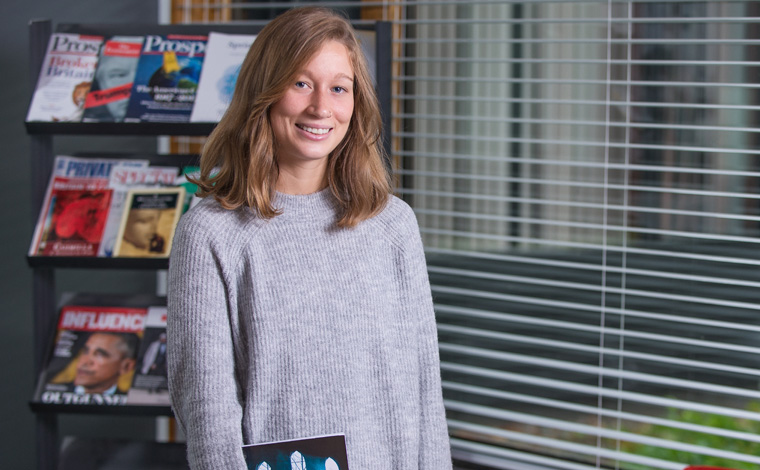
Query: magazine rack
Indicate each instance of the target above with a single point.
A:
(45, 305)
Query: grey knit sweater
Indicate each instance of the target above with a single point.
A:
(292, 328)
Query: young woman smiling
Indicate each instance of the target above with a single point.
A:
(299, 303)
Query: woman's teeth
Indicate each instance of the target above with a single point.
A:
(314, 130)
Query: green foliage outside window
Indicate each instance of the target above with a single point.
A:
(707, 440)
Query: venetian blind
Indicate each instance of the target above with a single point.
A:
(585, 175)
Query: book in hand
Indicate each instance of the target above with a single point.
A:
(150, 385)
(93, 356)
(114, 75)
(75, 207)
(224, 56)
(148, 222)
(122, 179)
(166, 79)
(318, 452)
(65, 78)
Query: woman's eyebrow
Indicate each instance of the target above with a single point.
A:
(343, 75)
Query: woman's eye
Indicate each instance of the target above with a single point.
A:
(301, 85)
(339, 89)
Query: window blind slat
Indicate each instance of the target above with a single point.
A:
(609, 228)
(494, 457)
(608, 145)
(549, 222)
(570, 122)
(750, 306)
(563, 445)
(596, 391)
(571, 40)
(594, 430)
(566, 366)
(514, 318)
(582, 164)
(464, 274)
(576, 21)
(577, 347)
(569, 101)
(591, 410)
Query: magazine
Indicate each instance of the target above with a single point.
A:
(224, 56)
(190, 188)
(65, 78)
(318, 452)
(76, 206)
(93, 357)
(123, 178)
(148, 221)
(166, 79)
(108, 97)
(150, 384)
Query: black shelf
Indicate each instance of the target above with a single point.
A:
(180, 160)
(96, 262)
(130, 410)
(120, 128)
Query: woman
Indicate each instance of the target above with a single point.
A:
(299, 303)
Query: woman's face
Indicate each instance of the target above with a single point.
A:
(312, 118)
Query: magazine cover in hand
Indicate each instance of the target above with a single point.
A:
(311, 453)
(148, 222)
(224, 56)
(167, 78)
(108, 97)
(150, 384)
(65, 78)
(93, 356)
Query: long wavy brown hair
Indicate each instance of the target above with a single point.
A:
(242, 146)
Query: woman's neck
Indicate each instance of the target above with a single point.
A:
(320, 205)
(301, 180)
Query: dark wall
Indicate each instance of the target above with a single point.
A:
(17, 441)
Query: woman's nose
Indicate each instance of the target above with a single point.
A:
(319, 106)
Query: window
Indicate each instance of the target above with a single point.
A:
(585, 177)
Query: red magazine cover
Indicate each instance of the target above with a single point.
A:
(75, 217)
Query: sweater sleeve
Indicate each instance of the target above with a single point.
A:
(435, 451)
(202, 382)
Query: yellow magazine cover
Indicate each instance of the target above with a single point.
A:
(148, 222)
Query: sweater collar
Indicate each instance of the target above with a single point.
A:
(314, 206)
